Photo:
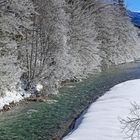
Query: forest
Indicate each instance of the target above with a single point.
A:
(45, 43)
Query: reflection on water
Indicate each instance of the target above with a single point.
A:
(49, 120)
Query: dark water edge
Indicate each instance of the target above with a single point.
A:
(53, 119)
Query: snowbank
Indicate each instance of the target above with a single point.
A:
(101, 122)
(16, 96)
(12, 96)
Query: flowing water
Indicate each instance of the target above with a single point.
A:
(53, 119)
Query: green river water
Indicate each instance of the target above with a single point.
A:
(51, 119)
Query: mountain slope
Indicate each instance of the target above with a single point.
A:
(135, 17)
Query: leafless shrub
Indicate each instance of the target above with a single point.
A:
(131, 124)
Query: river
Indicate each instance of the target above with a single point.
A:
(53, 119)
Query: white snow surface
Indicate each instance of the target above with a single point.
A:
(39, 87)
(12, 96)
(102, 120)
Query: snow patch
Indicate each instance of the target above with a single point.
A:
(101, 122)
(39, 87)
(12, 96)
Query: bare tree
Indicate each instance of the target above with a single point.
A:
(113, 32)
(15, 17)
(82, 34)
(131, 124)
(43, 42)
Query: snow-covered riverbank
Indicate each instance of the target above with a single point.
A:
(12, 96)
(101, 122)
(15, 96)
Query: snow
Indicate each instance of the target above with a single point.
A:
(39, 87)
(16, 95)
(102, 120)
(12, 96)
